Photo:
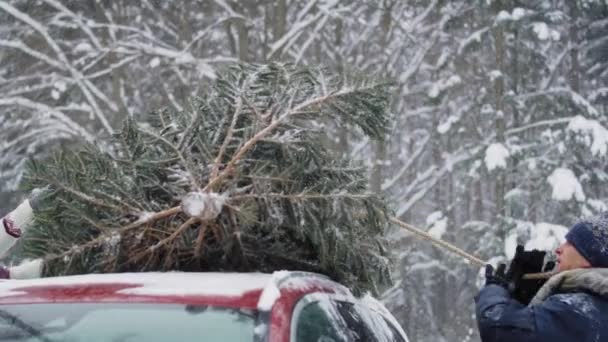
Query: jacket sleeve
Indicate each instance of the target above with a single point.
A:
(14, 224)
(502, 319)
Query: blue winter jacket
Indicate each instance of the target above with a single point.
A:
(571, 307)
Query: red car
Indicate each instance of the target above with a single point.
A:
(175, 306)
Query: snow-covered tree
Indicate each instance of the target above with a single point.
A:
(74, 71)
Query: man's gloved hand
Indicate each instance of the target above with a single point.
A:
(15, 223)
(498, 277)
(523, 290)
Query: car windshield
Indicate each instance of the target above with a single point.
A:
(124, 323)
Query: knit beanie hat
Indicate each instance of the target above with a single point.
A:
(590, 238)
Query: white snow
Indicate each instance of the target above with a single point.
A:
(439, 228)
(27, 269)
(271, 292)
(541, 30)
(83, 47)
(597, 205)
(546, 236)
(270, 295)
(206, 205)
(494, 74)
(425, 266)
(581, 101)
(438, 224)
(487, 109)
(378, 325)
(374, 304)
(155, 283)
(518, 13)
(593, 129)
(433, 217)
(496, 156)
(112, 241)
(597, 93)
(475, 37)
(580, 302)
(145, 216)
(503, 16)
(510, 244)
(565, 185)
(443, 84)
(205, 69)
(61, 86)
(445, 126)
(515, 194)
(154, 62)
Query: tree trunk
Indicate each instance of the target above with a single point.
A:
(240, 45)
(451, 206)
(342, 131)
(280, 19)
(379, 156)
(280, 25)
(268, 28)
(478, 199)
(574, 72)
(498, 31)
(231, 40)
(242, 32)
(515, 77)
(380, 146)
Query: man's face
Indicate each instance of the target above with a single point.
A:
(569, 258)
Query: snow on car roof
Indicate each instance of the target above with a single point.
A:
(153, 283)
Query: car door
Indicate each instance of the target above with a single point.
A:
(321, 317)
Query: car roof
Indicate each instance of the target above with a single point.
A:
(242, 290)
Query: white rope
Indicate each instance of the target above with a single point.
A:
(448, 246)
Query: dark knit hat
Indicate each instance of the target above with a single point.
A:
(590, 238)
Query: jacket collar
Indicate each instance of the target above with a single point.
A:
(594, 280)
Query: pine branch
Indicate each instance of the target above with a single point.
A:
(220, 156)
(85, 197)
(99, 240)
(176, 233)
(247, 146)
(305, 196)
(180, 155)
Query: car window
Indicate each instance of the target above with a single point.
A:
(338, 321)
(94, 322)
(368, 323)
(318, 323)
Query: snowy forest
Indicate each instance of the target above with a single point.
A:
(498, 128)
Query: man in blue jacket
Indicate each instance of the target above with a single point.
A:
(572, 306)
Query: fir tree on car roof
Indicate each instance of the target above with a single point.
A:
(242, 180)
